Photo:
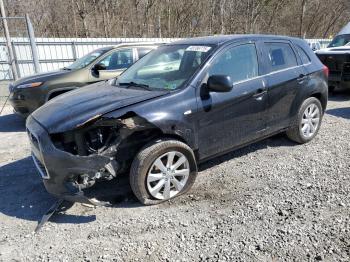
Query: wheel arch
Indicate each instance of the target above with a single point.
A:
(321, 98)
(58, 91)
(137, 132)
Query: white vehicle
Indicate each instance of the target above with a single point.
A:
(337, 58)
(315, 46)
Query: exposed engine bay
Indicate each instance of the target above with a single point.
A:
(117, 139)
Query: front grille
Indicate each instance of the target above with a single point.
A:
(22, 110)
(41, 168)
(334, 62)
(346, 71)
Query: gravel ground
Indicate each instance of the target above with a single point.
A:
(270, 201)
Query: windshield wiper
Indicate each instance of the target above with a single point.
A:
(66, 68)
(128, 84)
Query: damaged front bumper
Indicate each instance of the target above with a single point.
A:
(59, 169)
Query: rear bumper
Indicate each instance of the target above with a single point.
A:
(59, 168)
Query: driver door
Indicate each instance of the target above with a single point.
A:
(230, 119)
(115, 63)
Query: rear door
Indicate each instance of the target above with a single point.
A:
(284, 79)
(305, 59)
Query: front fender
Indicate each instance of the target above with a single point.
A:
(172, 114)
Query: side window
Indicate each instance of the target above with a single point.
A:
(281, 56)
(239, 62)
(142, 51)
(303, 55)
(118, 60)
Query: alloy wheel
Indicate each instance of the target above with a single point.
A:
(168, 175)
(310, 121)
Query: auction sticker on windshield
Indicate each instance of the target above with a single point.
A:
(198, 48)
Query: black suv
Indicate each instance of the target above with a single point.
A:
(179, 105)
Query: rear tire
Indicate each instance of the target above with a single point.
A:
(154, 175)
(308, 121)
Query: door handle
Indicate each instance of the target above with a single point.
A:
(301, 78)
(260, 93)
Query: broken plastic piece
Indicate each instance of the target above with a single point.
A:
(48, 214)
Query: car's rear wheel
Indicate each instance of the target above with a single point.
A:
(162, 170)
(308, 121)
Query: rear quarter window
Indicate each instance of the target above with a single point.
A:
(303, 55)
(281, 56)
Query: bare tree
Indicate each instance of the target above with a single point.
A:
(182, 18)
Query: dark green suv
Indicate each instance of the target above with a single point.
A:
(29, 93)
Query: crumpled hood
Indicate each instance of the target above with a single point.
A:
(41, 77)
(72, 109)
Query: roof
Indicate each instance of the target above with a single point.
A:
(220, 39)
(113, 46)
(345, 30)
(140, 44)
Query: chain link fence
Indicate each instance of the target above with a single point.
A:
(17, 27)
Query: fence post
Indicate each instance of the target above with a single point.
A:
(8, 41)
(15, 58)
(33, 45)
(74, 51)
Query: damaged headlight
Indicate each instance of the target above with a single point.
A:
(98, 139)
(86, 141)
(106, 137)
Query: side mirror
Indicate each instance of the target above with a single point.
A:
(220, 83)
(99, 67)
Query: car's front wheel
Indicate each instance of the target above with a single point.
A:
(308, 121)
(162, 170)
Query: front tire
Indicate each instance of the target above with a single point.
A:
(308, 121)
(162, 170)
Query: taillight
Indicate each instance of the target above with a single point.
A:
(326, 71)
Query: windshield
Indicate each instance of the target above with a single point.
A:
(87, 59)
(340, 40)
(168, 67)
